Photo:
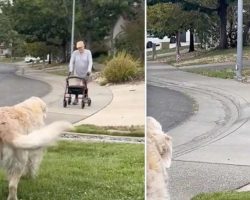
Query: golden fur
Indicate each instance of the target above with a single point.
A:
(23, 138)
(159, 154)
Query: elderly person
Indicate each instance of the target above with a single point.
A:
(80, 63)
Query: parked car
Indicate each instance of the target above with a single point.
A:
(151, 39)
(29, 59)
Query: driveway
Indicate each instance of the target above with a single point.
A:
(211, 147)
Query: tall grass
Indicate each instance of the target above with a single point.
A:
(123, 67)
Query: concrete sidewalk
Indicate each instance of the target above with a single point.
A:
(127, 107)
(119, 101)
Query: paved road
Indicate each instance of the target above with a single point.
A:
(178, 106)
(202, 169)
(14, 89)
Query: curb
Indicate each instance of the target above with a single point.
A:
(245, 188)
(101, 138)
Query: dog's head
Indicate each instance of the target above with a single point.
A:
(163, 143)
(160, 140)
(153, 124)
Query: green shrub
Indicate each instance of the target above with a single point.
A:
(123, 67)
(102, 59)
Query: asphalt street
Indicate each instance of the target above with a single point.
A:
(196, 170)
(178, 106)
(14, 88)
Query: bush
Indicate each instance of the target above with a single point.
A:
(7, 55)
(102, 59)
(121, 68)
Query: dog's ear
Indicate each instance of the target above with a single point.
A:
(166, 153)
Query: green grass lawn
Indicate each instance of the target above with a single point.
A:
(224, 196)
(208, 57)
(133, 131)
(77, 171)
(54, 68)
(11, 60)
(161, 51)
(167, 50)
(62, 72)
(223, 73)
(219, 73)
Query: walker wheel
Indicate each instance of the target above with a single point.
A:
(89, 102)
(83, 104)
(69, 100)
(64, 103)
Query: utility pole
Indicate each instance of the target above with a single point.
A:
(73, 27)
(239, 62)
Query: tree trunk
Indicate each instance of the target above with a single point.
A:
(245, 34)
(177, 46)
(230, 33)
(64, 48)
(112, 44)
(89, 40)
(222, 12)
(191, 45)
(154, 51)
(49, 57)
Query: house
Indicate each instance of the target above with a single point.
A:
(118, 28)
(116, 31)
(4, 51)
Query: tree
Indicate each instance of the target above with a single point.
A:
(232, 22)
(208, 7)
(50, 22)
(168, 19)
(132, 37)
(41, 21)
(246, 23)
(8, 35)
(91, 23)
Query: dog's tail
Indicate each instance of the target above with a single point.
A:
(42, 137)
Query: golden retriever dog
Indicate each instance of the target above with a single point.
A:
(23, 138)
(159, 154)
